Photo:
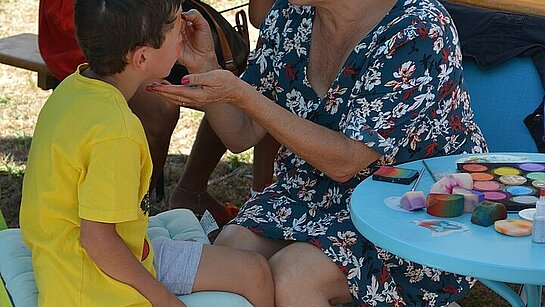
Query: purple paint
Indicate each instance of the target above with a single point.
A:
(532, 167)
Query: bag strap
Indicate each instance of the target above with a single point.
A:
(229, 63)
(242, 27)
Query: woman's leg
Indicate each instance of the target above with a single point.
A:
(425, 286)
(264, 154)
(305, 276)
(238, 271)
(241, 238)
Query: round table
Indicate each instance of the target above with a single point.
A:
(480, 251)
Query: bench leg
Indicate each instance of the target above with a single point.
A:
(47, 82)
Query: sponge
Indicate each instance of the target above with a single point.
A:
(445, 205)
(471, 198)
(413, 200)
(487, 212)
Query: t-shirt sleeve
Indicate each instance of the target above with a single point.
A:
(109, 186)
(394, 103)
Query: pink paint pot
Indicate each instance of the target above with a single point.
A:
(487, 186)
(496, 195)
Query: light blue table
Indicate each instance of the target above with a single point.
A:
(481, 252)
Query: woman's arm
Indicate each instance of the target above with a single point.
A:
(332, 152)
(258, 9)
(110, 253)
(240, 115)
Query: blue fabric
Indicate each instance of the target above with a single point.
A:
(501, 98)
(180, 224)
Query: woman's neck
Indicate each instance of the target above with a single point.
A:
(337, 29)
(341, 20)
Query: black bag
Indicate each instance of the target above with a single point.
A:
(232, 44)
(534, 123)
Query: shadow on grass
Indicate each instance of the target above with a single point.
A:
(14, 150)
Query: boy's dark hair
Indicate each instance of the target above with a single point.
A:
(107, 30)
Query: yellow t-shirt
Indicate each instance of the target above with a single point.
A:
(89, 159)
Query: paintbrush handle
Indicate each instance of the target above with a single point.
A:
(417, 179)
(429, 171)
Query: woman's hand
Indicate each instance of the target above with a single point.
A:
(227, 101)
(199, 90)
(198, 54)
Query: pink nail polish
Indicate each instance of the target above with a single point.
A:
(185, 80)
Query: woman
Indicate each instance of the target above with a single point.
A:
(344, 86)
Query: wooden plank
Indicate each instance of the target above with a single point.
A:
(22, 51)
(526, 7)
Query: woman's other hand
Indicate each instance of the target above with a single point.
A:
(199, 90)
(198, 53)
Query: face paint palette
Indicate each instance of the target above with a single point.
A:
(516, 185)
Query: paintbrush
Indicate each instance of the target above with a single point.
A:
(429, 171)
(417, 179)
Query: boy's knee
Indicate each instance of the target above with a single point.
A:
(260, 274)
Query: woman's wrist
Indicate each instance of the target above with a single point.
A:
(244, 94)
(206, 66)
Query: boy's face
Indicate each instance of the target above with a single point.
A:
(166, 56)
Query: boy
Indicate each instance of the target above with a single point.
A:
(84, 211)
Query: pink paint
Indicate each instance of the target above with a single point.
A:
(486, 186)
(496, 195)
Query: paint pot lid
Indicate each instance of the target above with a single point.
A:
(527, 214)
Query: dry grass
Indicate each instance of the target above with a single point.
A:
(21, 100)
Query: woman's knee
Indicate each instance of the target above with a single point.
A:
(289, 269)
(240, 237)
(296, 267)
(231, 235)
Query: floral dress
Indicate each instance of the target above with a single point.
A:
(401, 93)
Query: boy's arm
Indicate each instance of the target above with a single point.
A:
(113, 257)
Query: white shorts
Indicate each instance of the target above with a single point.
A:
(176, 263)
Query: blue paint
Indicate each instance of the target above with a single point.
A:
(519, 190)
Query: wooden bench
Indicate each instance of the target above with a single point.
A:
(22, 51)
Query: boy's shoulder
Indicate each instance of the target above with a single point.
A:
(91, 107)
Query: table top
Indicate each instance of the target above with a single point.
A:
(480, 251)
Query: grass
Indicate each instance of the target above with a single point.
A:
(21, 100)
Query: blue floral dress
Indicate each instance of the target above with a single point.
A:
(401, 93)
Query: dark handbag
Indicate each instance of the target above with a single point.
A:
(534, 123)
(232, 44)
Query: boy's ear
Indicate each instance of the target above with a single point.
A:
(138, 58)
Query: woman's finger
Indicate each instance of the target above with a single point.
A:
(195, 21)
(178, 94)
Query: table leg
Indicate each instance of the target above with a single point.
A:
(533, 294)
(506, 292)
